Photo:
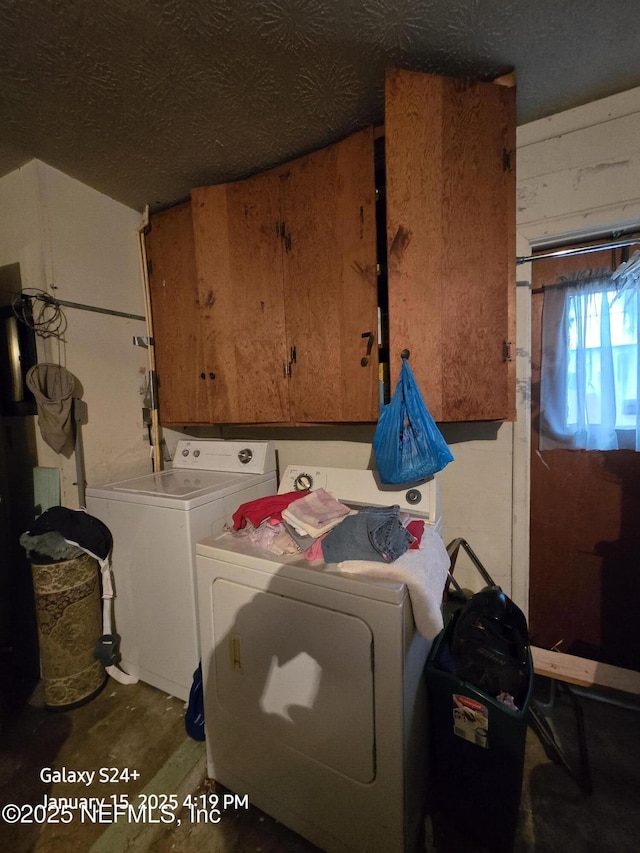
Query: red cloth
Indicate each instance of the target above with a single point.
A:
(270, 507)
(416, 529)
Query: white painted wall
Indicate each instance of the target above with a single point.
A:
(578, 170)
(20, 226)
(81, 246)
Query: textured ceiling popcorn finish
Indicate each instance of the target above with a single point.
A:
(144, 100)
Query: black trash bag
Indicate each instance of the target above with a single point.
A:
(490, 645)
(75, 527)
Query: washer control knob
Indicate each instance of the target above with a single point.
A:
(245, 455)
(413, 496)
(196, 453)
(303, 483)
(185, 452)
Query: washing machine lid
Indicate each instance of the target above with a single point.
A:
(178, 488)
(202, 470)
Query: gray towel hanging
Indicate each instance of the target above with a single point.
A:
(52, 386)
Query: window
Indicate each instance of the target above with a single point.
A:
(589, 372)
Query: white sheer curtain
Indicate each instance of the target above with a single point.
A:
(589, 372)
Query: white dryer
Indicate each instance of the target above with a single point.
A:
(155, 521)
(315, 704)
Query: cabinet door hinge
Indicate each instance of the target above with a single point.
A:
(506, 351)
(506, 160)
(286, 369)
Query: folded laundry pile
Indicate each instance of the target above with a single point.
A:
(322, 528)
(378, 541)
(262, 521)
(264, 509)
(317, 513)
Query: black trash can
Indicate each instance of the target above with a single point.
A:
(477, 740)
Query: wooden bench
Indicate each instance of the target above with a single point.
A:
(583, 672)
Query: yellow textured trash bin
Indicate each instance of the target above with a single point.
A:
(69, 615)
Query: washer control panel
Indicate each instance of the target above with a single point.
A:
(255, 457)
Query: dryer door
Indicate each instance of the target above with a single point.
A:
(296, 673)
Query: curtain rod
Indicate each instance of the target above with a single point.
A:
(580, 250)
(51, 300)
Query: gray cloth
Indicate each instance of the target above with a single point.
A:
(52, 386)
(51, 544)
(303, 542)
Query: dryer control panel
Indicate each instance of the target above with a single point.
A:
(363, 488)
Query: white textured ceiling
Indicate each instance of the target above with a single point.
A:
(144, 99)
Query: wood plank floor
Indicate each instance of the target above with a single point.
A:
(141, 728)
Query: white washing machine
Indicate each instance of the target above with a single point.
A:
(155, 521)
(315, 704)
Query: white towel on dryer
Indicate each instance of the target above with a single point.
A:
(423, 570)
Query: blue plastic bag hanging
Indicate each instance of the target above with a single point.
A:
(407, 444)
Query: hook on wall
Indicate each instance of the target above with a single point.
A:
(142, 341)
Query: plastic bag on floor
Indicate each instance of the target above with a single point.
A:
(194, 716)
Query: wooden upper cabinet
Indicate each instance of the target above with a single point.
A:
(265, 294)
(450, 192)
(239, 264)
(286, 268)
(330, 282)
(175, 311)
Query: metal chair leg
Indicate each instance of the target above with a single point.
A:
(539, 724)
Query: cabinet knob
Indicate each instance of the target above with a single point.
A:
(203, 376)
(212, 375)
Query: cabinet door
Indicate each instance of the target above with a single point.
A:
(330, 282)
(173, 286)
(450, 178)
(239, 263)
